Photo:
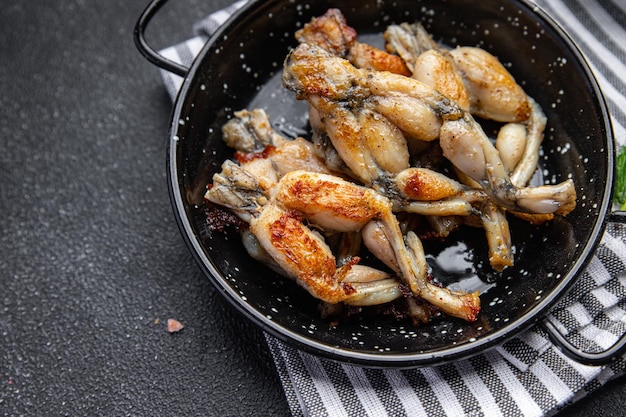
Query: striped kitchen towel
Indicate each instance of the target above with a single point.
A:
(528, 375)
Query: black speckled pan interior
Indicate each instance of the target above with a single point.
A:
(240, 67)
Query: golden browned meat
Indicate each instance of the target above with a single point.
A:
(334, 204)
(332, 33)
(342, 93)
(329, 31)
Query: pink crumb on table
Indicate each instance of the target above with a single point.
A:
(174, 326)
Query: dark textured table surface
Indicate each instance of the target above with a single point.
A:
(91, 261)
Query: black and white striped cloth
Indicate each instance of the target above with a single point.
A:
(528, 375)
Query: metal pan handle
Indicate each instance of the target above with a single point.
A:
(573, 352)
(617, 217)
(580, 356)
(146, 50)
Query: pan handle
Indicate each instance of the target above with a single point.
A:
(580, 356)
(617, 216)
(146, 50)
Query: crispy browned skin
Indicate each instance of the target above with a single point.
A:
(332, 33)
(425, 185)
(329, 31)
(366, 56)
(332, 204)
(316, 270)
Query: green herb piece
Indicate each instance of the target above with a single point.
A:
(620, 179)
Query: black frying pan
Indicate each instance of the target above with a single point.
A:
(240, 67)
